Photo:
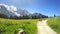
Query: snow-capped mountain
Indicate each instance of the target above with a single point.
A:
(12, 11)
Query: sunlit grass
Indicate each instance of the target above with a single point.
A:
(11, 26)
(54, 23)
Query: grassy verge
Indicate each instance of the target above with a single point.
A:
(54, 23)
(9, 26)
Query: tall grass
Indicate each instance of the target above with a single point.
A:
(54, 23)
(9, 26)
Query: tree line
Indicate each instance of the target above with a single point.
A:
(31, 16)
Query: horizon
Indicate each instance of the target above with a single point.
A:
(45, 7)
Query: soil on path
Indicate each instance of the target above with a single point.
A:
(43, 28)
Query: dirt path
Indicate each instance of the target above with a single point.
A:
(43, 28)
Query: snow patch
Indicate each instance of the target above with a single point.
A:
(10, 8)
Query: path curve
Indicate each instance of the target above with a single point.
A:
(43, 28)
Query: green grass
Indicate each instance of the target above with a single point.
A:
(54, 23)
(10, 26)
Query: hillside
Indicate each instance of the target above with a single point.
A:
(54, 23)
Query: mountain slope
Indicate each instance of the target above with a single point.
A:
(12, 11)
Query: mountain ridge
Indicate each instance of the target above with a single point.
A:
(14, 12)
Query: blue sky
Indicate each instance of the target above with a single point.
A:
(46, 7)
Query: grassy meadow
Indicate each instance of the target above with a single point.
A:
(11, 26)
(54, 23)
